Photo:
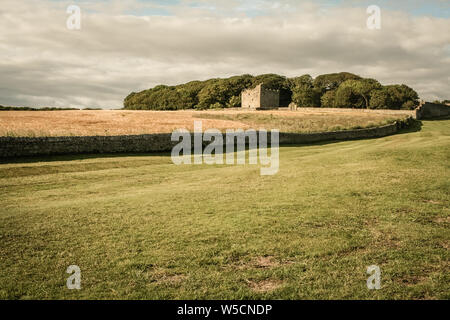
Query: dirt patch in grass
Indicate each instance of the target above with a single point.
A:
(266, 262)
(432, 201)
(264, 285)
(172, 279)
(380, 236)
(443, 220)
(162, 277)
(412, 280)
(262, 262)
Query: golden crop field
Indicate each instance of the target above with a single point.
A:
(126, 122)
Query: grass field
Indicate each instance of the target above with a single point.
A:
(140, 227)
(121, 122)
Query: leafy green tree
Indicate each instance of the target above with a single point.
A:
(351, 92)
(238, 83)
(305, 96)
(402, 97)
(234, 102)
(332, 81)
(364, 87)
(271, 81)
(303, 92)
(303, 81)
(345, 97)
(214, 93)
(327, 99)
(380, 99)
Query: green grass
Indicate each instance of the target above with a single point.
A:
(140, 227)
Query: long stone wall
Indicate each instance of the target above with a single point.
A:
(24, 146)
(11, 147)
(301, 138)
(428, 110)
(411, 113)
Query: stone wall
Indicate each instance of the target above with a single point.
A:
(411, 113)
(425, 110)
(11, 147)
(23, 146)
(301, 138)
(428, 110)
(250, 98)
(270, 99)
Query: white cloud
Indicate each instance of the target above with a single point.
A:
(43, 63)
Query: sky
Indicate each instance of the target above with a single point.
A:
(132, 45)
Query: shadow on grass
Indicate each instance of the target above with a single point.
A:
(437, 118)
(415, 126)
(80, 156)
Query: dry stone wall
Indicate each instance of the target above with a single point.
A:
(11, 147)
(428, 110)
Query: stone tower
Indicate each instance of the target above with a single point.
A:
(260, 98)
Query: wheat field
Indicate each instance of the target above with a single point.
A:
(127, 122)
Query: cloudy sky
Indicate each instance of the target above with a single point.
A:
(131, 45)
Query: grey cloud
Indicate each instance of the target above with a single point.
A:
(43, 63)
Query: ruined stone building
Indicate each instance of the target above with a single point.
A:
(260, 98)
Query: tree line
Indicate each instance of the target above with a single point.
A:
(11, 108)
(334, 90)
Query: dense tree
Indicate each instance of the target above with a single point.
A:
(272, 81)
(328, 99)
(345, 90)
(306, 97)
(402, 97)
(380, 99)
(304, 80)
(303, 92)
(356, 93)
(331, 81)
(214, 93)
(234, 102)
(364, 88)
(347, 98)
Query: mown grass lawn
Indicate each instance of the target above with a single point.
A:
(140, 227)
